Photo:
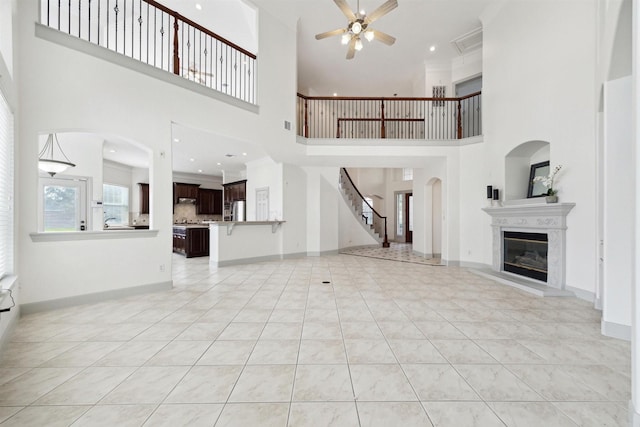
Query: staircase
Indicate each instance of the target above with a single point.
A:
(353, 197)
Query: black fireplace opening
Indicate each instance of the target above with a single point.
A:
(526, 254)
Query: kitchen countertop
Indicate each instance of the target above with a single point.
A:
(190, 225)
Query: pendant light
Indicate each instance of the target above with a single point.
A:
(46, 160)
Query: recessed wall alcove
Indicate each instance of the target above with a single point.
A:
(517, 165)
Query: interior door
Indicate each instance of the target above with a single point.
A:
(408, 217)
(63, 204)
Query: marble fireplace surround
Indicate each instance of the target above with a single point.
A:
(533, 216)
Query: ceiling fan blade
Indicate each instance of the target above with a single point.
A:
(380, 11)
(344, 7)
(330, 33)
(352, 48)
(383, 37)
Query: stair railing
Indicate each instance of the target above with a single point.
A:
(347, 183)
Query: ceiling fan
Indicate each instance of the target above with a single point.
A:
(359, 26)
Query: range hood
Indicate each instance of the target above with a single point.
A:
(186, 201)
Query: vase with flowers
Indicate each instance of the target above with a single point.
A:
(547, 181)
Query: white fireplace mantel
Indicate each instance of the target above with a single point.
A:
(549, 218)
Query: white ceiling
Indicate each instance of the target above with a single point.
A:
(199, 152)
(378, 69)
(124, 152)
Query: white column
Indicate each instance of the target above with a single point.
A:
(635, 295)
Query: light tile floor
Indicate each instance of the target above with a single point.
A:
(384, 343)
(396, 251)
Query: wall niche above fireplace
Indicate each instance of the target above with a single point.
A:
(523, 226)
(517, 167)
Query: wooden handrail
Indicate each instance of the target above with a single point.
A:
(385, 243)
(377, 98)
(199, 27)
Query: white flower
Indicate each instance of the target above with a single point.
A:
(547, 181)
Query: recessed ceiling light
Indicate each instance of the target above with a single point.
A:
(335, 94)
(244, 154)
(192, 159)
(176, 139)
(432, 48)
(199, 170)
(219, 164)
(112, 151)
(198, 6)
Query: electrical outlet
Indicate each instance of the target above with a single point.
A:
(162, 268)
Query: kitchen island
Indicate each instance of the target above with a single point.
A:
(191, 240)
(241, 242)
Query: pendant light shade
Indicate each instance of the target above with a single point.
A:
(47, 161)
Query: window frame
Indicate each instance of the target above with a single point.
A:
(104, 204)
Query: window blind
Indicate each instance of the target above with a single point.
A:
(6, 188)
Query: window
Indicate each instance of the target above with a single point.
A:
(6, 189)
(367, 212)
(115, 204)
(407, 174)
(64, 204)
(399, 214)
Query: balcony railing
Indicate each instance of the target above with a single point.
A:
(401, 118)
(156, 35)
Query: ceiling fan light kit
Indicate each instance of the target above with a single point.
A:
(359, 24)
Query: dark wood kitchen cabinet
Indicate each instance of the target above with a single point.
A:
(209, 202)
(144, 198)
(184, 191)
(191, 241)
(235, 191)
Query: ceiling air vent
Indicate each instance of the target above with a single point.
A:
(469, 41)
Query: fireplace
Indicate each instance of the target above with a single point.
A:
(526, 254)
(530, 236)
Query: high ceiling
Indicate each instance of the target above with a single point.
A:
(377, 70)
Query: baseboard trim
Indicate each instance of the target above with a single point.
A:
(418, 253)
(583, 295)
(466, 264)
(294, 255)
(36, 307)
(324, 253)
(598, 304)
(241, 261)
(615, 330)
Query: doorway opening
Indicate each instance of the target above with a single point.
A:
(404, 217)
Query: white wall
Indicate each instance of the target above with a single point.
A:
(323, 201)
(619, 201)
(264, 173)
(556, 107)
(466, 66)
(294, 210)
(93, 101)
(436, 214)
(7, 8)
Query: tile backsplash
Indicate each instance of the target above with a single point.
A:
(186, 213)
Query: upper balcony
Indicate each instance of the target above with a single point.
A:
(441, 119)
(150, 32)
